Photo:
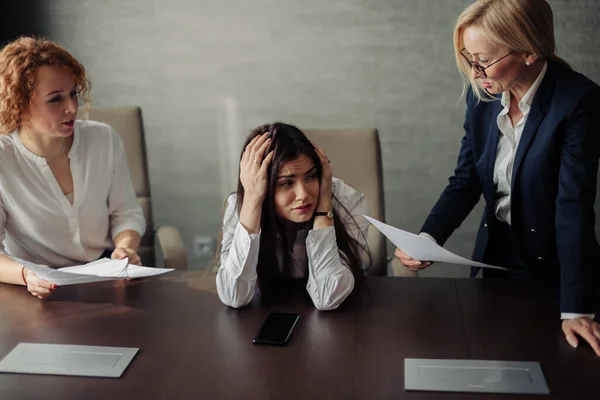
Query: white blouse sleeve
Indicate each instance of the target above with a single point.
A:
(124, 211)
(330, 279)
(236, 277)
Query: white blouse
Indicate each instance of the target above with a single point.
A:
(39, 224)
(330, 280)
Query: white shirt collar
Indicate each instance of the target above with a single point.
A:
(527, 100)
(41, 160)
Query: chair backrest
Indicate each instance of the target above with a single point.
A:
(355, 155)
(127, 121)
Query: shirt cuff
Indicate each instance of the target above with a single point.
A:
(320, 234)
(138, 226)
(428, 236)
(567, 315)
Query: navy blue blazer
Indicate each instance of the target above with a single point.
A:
(553, 185)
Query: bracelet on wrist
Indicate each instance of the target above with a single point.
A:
(328, 214)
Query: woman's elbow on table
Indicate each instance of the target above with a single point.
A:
(231, 297)
(234, 302)
(337, 296)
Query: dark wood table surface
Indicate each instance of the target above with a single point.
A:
(192, 346)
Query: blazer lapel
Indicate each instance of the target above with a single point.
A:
(490, 151)
(534, 119)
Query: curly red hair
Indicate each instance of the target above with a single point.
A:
(19, 61)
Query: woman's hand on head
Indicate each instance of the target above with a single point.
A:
(253, 168)
(38, 287)
(326, 188)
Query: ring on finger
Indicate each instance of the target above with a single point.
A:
(256, 162)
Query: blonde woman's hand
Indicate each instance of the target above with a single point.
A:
(588, 329)
(409, 262)
(38, 287)
(253, 169)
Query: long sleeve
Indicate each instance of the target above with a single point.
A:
(124, 211)
(462, 193)
(575, 207)
(41, 225)
(236, 277)
(330, 279)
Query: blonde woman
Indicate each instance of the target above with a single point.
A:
(65, 192)
(531, 147)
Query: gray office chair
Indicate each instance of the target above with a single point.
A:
(355, 155)
(356, 158)
(127, 121)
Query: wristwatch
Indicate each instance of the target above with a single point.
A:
(328, 214)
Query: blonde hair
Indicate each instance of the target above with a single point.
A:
(19, 61)
(522, 26)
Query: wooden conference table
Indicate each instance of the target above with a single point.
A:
(192, 346)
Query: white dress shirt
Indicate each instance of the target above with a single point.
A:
(330, 280)
(39, 224)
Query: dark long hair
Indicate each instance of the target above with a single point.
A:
(288, 143)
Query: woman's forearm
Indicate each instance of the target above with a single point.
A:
(128, 239)
(250, 215)
(10, 271)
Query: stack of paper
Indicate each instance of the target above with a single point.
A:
(104, 269)
(422, 248)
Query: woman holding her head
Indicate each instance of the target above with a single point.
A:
(65, 192)
(531, 147)
(290, 221)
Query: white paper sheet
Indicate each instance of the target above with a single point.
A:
(422, 248)
(104, 269)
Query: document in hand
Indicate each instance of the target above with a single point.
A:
(104, 269)
(422, 248)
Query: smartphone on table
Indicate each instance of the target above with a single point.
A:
(276, 329)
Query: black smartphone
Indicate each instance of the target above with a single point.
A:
(276, 329)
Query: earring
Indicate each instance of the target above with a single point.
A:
(527, 63)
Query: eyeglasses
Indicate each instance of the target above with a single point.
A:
(480, 69)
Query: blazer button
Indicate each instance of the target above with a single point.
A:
(533, 230)
(540, 258)
(485, 225)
